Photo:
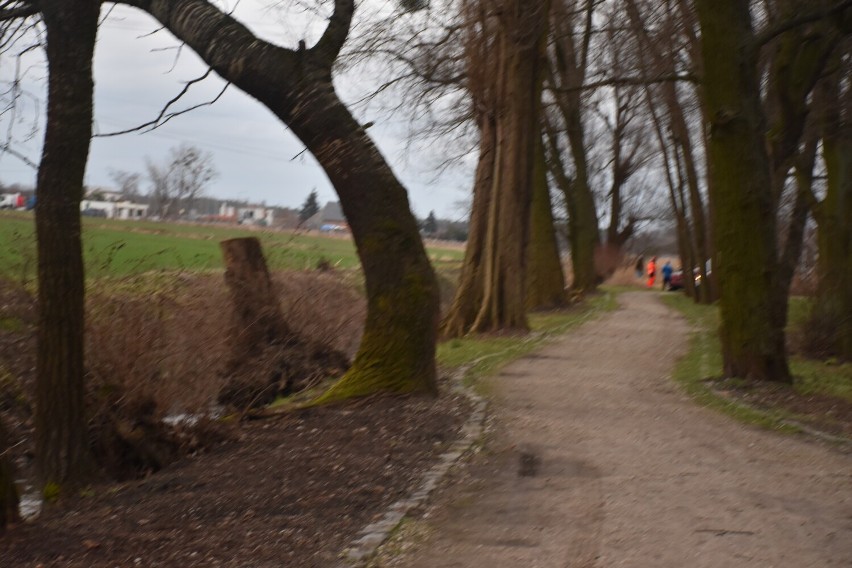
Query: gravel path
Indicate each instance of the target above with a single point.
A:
(598, 460)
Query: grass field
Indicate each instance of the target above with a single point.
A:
(119, 248)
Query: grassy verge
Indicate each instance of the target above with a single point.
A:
(703, 364)
(701, 368)
(476, 357)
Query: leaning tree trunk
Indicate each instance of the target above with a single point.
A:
(697, 215)
(397, 351)
(743, 215)
(62, 450)
(545, 278)
(798, 60)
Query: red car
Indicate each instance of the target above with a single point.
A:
(677, 279)
(676, 282)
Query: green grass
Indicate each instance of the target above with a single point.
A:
(703, 363)
(480, 356)
(798, 311)
(818, 377)
(120, 248)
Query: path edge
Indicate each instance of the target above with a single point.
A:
(365, 546)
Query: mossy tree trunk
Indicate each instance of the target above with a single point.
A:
(567, 71)
(796, 62)
(62, 449)
(545, 278)
(513, 85)
(834, 213)
(751, 330)
(397, 352)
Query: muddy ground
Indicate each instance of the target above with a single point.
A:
(291, 491)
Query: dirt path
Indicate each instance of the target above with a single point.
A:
(598, 460)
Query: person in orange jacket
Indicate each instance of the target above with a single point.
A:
(652, 271)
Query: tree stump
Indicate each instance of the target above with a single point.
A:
(267, 358)
(257, 315)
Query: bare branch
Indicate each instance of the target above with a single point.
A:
(166, 116)
(329, 45)
(15, 9)
(6, 149)
(772, 32)
(621, 81)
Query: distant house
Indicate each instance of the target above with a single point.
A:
(113, 209)
(248, 214)
(330, 219)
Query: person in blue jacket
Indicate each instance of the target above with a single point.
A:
(667, 275)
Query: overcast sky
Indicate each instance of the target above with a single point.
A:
(255, 154)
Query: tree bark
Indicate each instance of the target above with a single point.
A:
(834, 215)
(568, 69)
(751, 328)
(523, 29)
(397, 352)
(470, 289)
(8, 490)
(672, 168)
(62, 450)
(258, 318)
(546, 280)
(512, 92)
(797, 62)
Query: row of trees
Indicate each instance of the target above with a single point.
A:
(639, 94)
(537, 79)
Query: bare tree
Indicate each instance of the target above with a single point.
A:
(666, 46)
(180, 181)
(127, 184)
(505, 51)
(62, 451)
(748, 167)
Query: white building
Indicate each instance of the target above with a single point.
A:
(249, 215)
(113, 209)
